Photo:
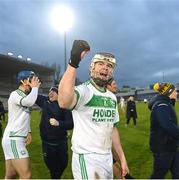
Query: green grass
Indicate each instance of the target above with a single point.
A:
(135, 142)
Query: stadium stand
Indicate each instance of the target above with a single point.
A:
(10, 66)
(140, 95)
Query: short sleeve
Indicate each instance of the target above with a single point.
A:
(83, 95)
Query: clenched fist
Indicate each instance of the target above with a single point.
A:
(77, 52)
(54, 122)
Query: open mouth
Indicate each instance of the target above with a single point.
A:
(103, 75)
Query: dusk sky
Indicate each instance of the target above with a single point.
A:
(142, 34)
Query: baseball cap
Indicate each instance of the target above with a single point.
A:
(54, 88)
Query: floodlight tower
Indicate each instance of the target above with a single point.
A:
(62, 19)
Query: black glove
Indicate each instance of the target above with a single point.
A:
(78, 47)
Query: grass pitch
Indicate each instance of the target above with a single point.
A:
(135, 142)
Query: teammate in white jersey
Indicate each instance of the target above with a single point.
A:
(95, 115)
(17, 132)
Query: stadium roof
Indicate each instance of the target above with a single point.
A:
(14, 65)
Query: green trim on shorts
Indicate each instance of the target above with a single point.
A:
(18, 136)
(14, 149)
(84, 174)
(14, 134)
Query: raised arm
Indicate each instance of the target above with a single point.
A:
(30, 99)
(67, 96)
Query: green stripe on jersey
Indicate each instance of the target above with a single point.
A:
(101, 101)
(116, 124)
(77, 95)
(87, 82)
(21, 93)
(102, 90)
(21, 102)
(77, 98)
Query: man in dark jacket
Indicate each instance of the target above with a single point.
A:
(131, 111)
(54, 124)
(164, 132)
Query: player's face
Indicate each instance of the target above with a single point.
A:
(53, 96)
(26, 85)
(102, 70)
(114, 86)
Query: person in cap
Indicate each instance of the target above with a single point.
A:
(55, 122)
(95, 115)
(164, 132)
(17, 132)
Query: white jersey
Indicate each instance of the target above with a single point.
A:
(19, 113)
(94, 116)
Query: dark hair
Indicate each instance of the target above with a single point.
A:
(110, 80)
(54, 88)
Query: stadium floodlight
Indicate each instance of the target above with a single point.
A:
(10, 54)
(28, 59)
(62, 19)
(19, 56)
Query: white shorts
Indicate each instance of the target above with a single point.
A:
(14, 148)
(92, 166)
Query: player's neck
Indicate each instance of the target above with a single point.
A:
(22, 88)
(103, 89)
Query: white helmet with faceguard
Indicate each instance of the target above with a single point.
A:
(102, 57)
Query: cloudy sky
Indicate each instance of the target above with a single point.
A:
(142, 34)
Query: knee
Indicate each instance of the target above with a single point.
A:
(10, 175)
(26, 175)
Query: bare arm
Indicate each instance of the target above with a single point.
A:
(67, 97)
(119, 151)
(28, 139)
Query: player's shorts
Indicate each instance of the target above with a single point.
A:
(92, 166)
(14, 148)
